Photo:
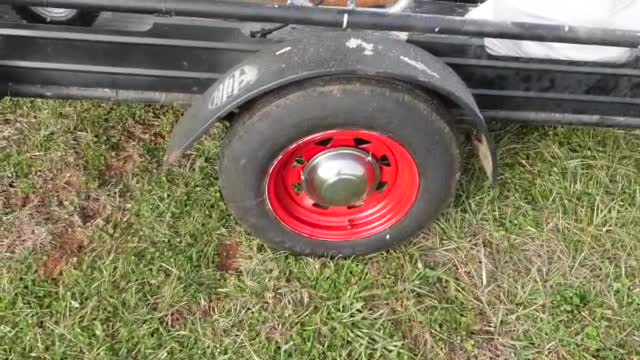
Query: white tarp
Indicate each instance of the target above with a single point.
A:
(615, 14)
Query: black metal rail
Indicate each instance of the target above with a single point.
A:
(176, 60)
(41, 60)
(360, 19)
(145, 39)
(551, 118)
(111, 95)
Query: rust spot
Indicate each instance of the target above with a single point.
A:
(230, 257)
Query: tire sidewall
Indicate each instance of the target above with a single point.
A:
(266, 130)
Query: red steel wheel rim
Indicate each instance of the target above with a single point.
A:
(396, 188)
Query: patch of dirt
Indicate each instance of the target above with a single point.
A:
(474, 262)
(55, 216)
(176, 318)
(89, 211)
(180, 314)
(73, 242)
(60, 186)
(36, 215)
(285, 298)
(276, 332)
(374, 268)
(123, 163)
(159, 137)
(419, 338)
(455, 351)
(54, 266)
(12, 199)
(41, 219)
(24, 233)
(92, 208)
(36, 200)
(490, 344)
(230, 260)
(209, 309)
(9, 130)
(70, 244)
(494, 349)
(67, 185)
(152, 133)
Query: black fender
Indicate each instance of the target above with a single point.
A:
(330, 54)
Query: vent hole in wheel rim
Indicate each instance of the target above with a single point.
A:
(384, 161)
(320, 206)
(300, 161)
(325, 142)
(298, 188)
(361, 142)
(382, 187)
(355, 206)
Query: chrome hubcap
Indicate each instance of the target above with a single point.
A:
(341, 177)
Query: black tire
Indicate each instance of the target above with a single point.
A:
(270, 125)
(80, 18)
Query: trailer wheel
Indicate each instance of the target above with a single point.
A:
(340, 167)
(57, 16)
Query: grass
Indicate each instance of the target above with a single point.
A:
(105, 254)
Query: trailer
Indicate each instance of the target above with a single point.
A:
(346, 121)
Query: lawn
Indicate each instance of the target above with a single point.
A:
(106, 254)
